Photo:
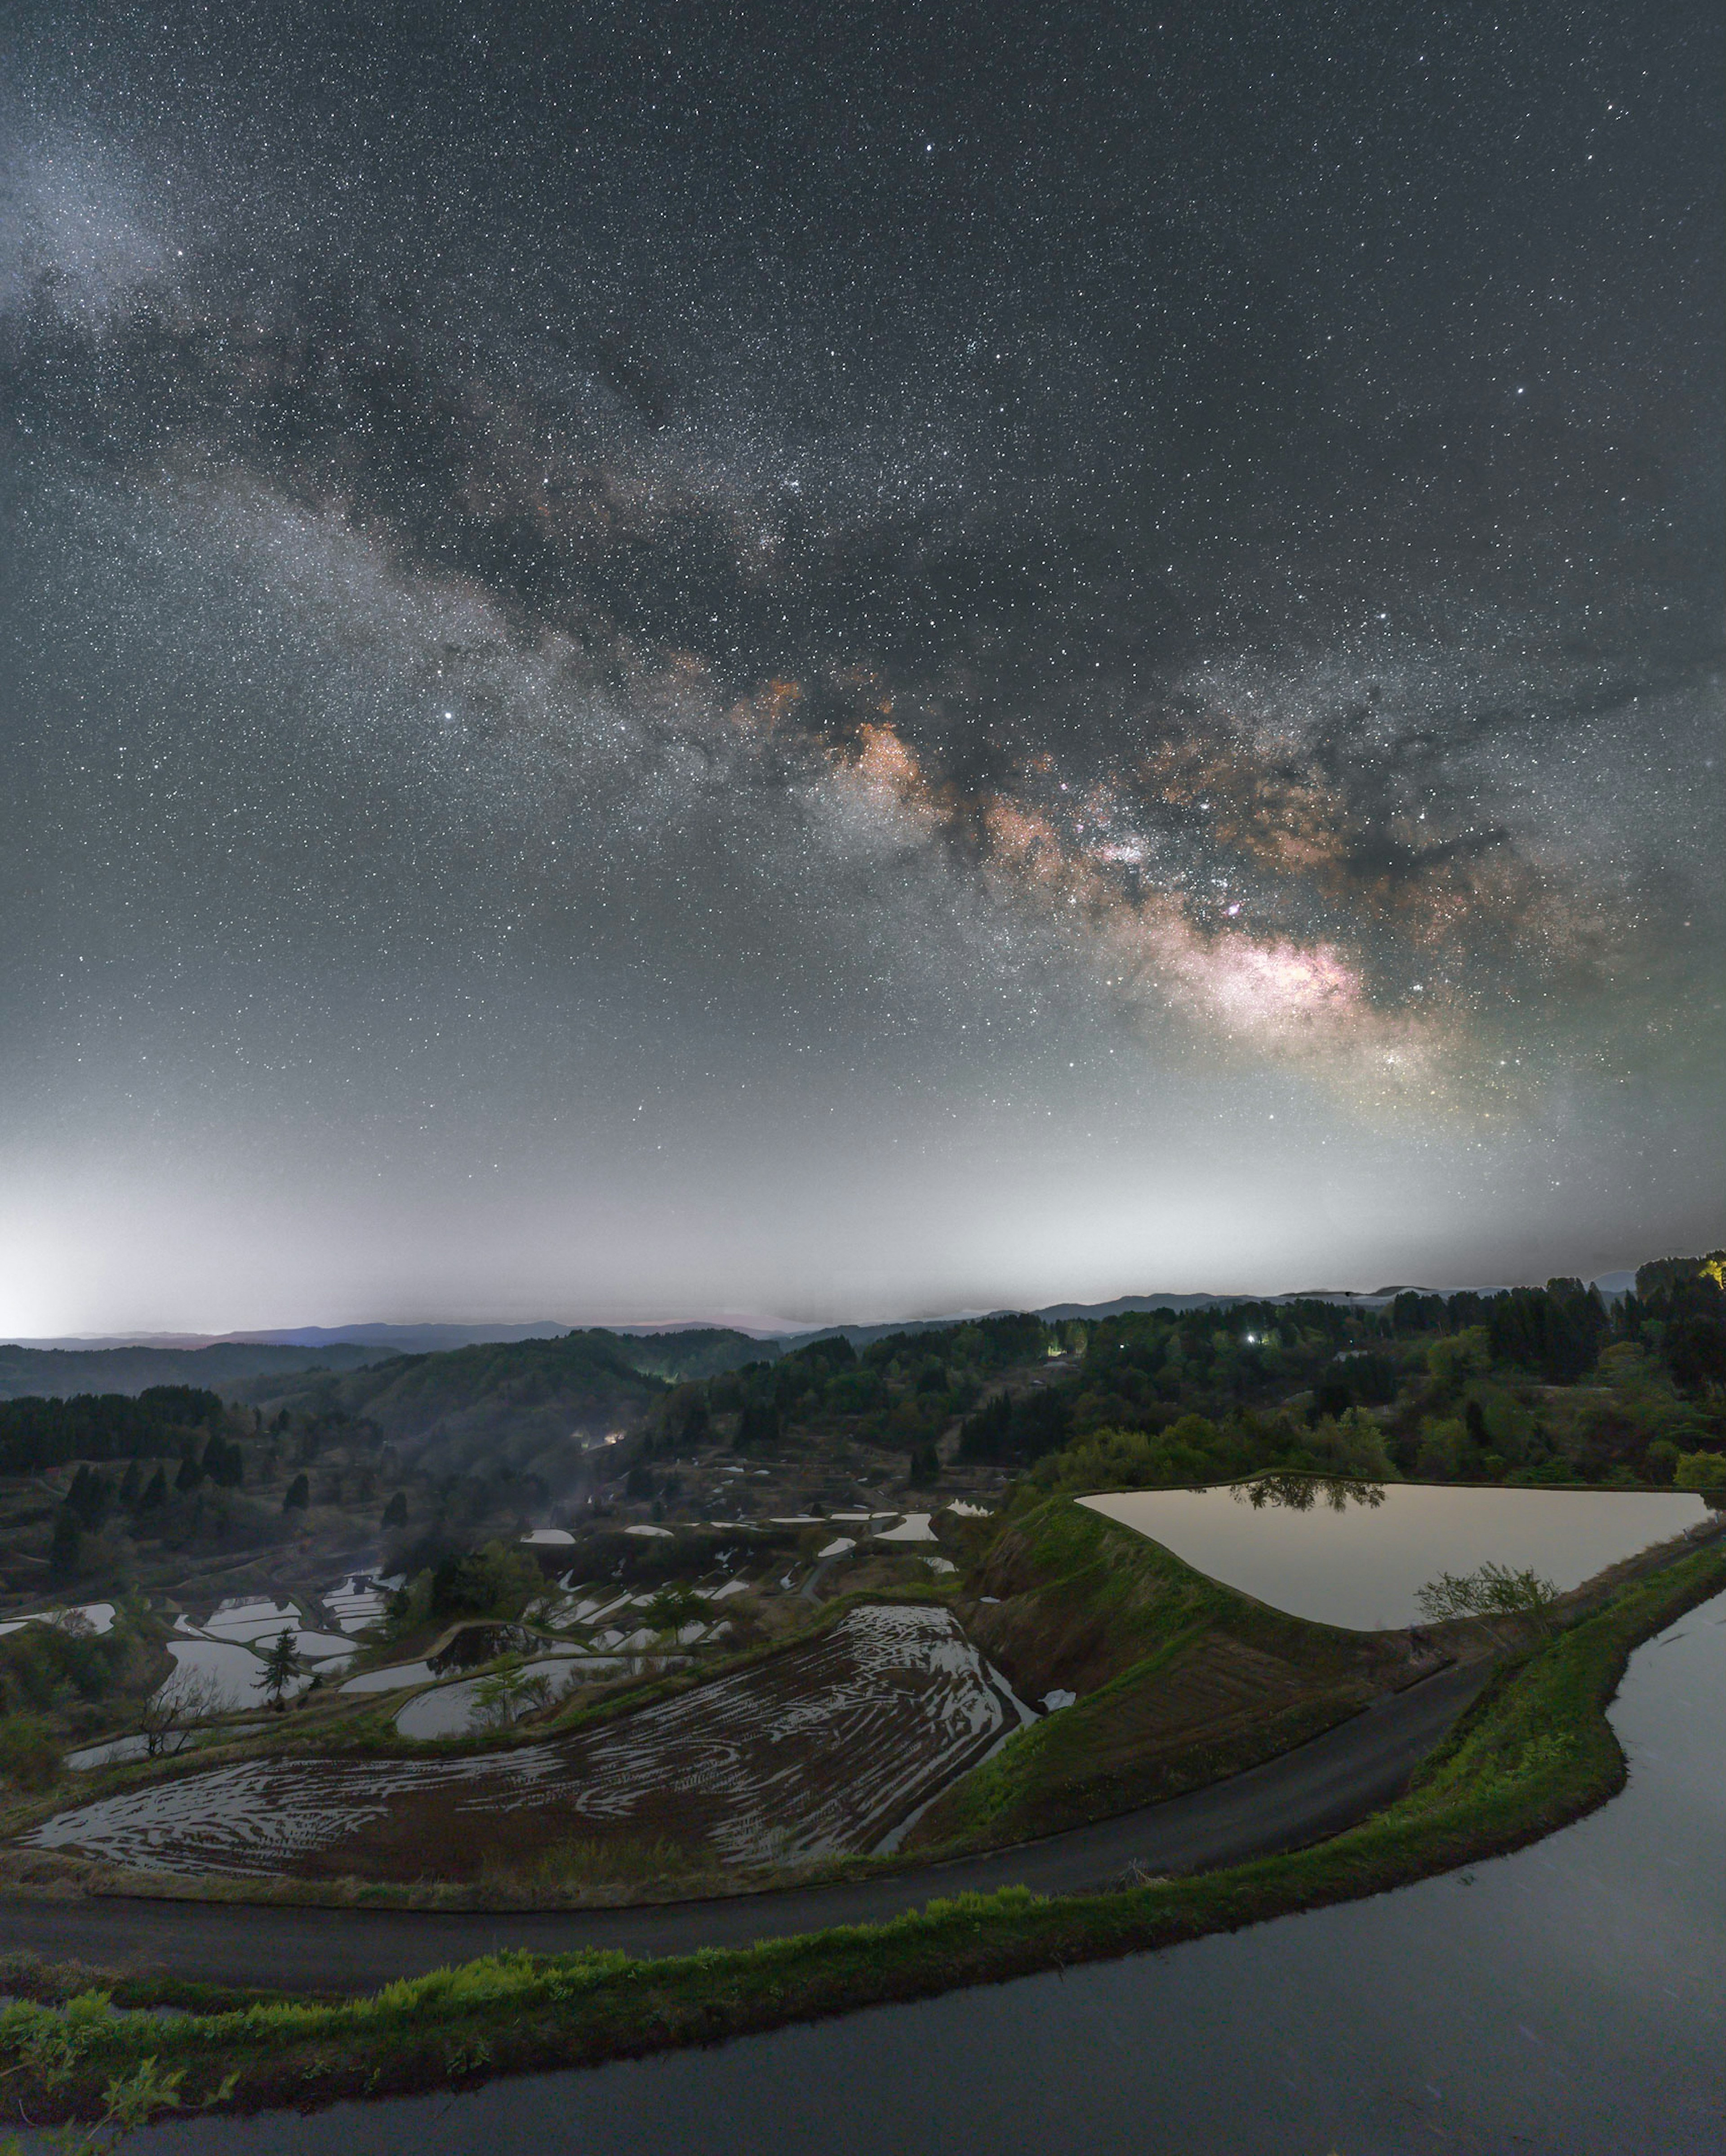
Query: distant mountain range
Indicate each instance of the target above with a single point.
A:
(395, 1339)
(697, 1348)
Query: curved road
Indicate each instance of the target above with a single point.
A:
(1299, 1797)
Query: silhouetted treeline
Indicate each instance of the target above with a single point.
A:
(35, 1434)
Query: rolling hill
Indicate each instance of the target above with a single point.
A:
(59, 1373)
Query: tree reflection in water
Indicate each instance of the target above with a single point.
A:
(1299, 1493)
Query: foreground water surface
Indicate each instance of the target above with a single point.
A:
(1563, 2001)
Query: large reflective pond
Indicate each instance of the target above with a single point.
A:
(1565, 2001)
(1358, 1553)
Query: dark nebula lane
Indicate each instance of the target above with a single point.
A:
(834, 663)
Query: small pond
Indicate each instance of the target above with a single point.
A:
(1357, 1554)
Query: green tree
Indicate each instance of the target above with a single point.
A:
(84, 1498)
(68, 1540)
(507, 1692)
(224, 1463)
(1460, 1356)
(281, 1665)
(1495, 1590)
(760, 1426)
(395, 1513)
(155, 1496)
(1353, 1447)
(297, 1495)
(28, 1755)
(676, 1605)
(491, 1582)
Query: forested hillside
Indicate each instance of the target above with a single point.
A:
(35, 1434)
(696, 1351)
(58, 1373)
(1533, 1385)
(528, 1406)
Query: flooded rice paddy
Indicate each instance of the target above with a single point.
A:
(232, 1674)
(396, 1678)
(359, 1600)
(450, 1710)
(1563, 2001)
(825, 1748)
(98, 1615)
(1357, 1554)
(246, 1621)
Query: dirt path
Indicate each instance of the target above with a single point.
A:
(1300, 1797)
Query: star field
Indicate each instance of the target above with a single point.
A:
(830, 663)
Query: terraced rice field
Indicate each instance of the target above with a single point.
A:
(827, 1748)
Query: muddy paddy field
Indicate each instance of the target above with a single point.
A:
(824, 1749)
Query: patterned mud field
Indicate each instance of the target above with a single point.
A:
(826, 1748)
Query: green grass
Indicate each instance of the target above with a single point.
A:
(1534, 1753)
(1091, 1573)
(1080, 1589)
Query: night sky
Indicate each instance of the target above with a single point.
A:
(838, 661)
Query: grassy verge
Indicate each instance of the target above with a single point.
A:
(1534, 1752)
(1183, 1680)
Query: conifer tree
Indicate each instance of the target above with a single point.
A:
(281, 1665)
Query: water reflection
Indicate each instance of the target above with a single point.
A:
(1563, 2001)
(1358, 1553)
(1300, 1493)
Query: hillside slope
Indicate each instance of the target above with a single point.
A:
(1180, 1680)
(60, 1373)
(695, 1350)
(532, 1405)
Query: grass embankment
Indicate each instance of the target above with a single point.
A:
(1182, 1680)
(1535, 1752)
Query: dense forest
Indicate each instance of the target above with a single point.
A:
(35, 1434)
(1533, 1385)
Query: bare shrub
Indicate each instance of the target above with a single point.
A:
(175, 1710)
